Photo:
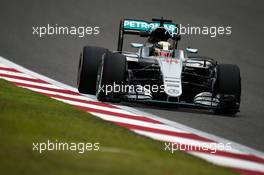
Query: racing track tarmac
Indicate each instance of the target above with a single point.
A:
(57, 56)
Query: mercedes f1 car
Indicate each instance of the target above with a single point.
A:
(158, 71)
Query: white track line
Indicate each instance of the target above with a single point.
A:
(3, 65)
(31, 83)
(96, 106)
(185, 141)
(16, 74)
(230, 162)
(174, 124)
(78, 97)
(137, 122)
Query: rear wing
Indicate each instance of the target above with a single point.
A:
(141, 27)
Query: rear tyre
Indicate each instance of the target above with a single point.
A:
(228, 87)
(88, 67)
(111, 73)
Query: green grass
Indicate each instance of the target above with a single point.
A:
(27, 117)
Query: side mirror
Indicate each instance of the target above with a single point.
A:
(137, 45)
(191, 50)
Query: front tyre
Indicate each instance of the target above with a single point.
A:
(111, 74)
(228, 88)
(88, 67)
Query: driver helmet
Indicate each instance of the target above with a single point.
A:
(163, 49)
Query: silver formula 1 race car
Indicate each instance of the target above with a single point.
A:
(158, 71)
